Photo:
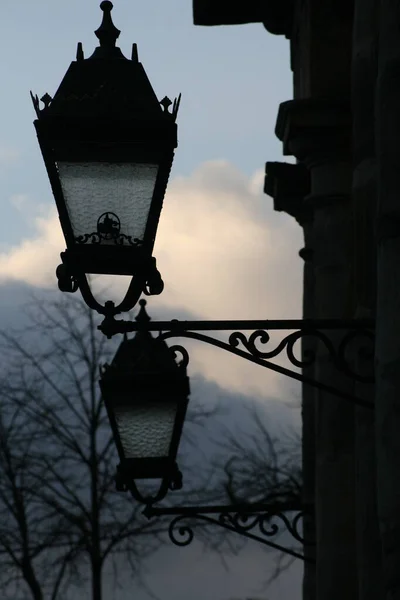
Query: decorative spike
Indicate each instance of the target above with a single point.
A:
(135, 56)
(46, 99)
(177, 103)
(79, 52)
(166, 103)
(35, 102)
(107, 33)
(142, 316)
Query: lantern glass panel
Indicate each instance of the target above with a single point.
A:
(145, 429)
(110, 199)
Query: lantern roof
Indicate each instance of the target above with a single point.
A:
(143, 353)
(106, 85)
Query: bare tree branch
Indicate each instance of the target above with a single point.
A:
(59, 510)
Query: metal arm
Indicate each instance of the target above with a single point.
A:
(268, 519)
(256, 346)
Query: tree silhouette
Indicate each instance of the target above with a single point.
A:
(60, 515)
(59, 512)
(261, 468)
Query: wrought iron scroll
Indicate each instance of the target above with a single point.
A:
(251, 351)
(96, 238)
(257, 522)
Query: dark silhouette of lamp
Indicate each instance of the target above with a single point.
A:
(146, 391)
(108, 146)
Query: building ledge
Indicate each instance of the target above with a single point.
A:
(314, 118)
(288, 184)
(276, 15)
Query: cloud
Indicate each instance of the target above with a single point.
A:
(19, 201)
(34, 260)
(179, 573)
(223, 253)
(8, 156)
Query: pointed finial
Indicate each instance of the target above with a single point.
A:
(175, 108)
(107, 33)
(166, 103)
(142, 316)
(135, 56)
(36, 106)
(79, 52)
(46, 99)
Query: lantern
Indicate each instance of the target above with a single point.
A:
(146, 395)
(108, 146)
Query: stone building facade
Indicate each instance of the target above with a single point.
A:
(343, 127)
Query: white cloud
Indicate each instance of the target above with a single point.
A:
(222, 250)
(223, 253)
(34, 260)
(19, 201)
(8, 156)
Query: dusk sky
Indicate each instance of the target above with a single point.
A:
(222, 250)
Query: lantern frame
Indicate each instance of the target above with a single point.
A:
(105, 111)
(145, 364)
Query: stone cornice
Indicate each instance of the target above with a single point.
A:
(307, 254)
(276, 15)
(318, 122)
(288, 184)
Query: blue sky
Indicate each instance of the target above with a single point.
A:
(222, 250)
(232, 80)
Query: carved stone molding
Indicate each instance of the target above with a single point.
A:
(317, 131)
(288, 184)
(279, 16)
(315, 128)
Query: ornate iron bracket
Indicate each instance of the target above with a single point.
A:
(148, 282)
(268, 519)
(351, 333)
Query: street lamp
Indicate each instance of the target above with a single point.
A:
(255, 521)
(146, 391)
(108, 146)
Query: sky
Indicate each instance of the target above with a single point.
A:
(222, 250)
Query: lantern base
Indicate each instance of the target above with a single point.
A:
(72, 275)
(105, 259)
(148, 468)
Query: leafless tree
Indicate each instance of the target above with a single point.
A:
(262, 468)
(60, 516)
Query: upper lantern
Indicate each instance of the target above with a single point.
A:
(108, 146)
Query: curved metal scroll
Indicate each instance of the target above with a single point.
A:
(258, 525)
(337, 355)
(131, 298)
(253, 353)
